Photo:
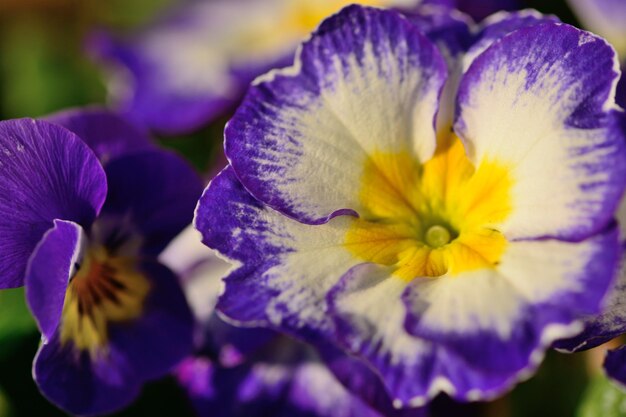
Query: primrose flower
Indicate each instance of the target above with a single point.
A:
(83, 235)
(247, 372)
(183, 72)
(447, 257)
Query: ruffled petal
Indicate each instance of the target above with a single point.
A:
(285, 267)
(366, 81)
(600, 328)
(497, 26)
(540, 102)
(604, 17)
(48, 173)
(49, 270)
(438, 335)
(536, 293)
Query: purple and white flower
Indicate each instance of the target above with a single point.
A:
(83, 235)
(446, 239)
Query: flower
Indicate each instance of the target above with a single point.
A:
(446, 259)
(182, 73)
(82, 236)
(250, 372)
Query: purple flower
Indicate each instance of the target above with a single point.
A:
(247, 372)
(82, 235)
(444, 221)
(183, 72)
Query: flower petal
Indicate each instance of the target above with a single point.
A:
(413, 370)
(82, 386)
(155, 88)
(363, 382)
(536, 293)
(479, 9)
(48, 173)
(314, 391)
(367, 80)
(285, 267)
(107, 134)
(442, 337)
(162, 336)
(541, 102)
(600, 328)
(497, 26)
(615, 365)
(154, 191)
(49, 270)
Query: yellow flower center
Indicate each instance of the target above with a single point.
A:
(431, 219)
(105, 289)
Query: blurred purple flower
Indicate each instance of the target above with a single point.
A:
(83, 235)
(183, 72)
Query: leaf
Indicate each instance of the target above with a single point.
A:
(15, 319)
(603, 398)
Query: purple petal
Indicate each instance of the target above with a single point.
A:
(138, 350)
(364, 383)
(604, 17)
(615, 365)
(49, 271)
(106, 133)
(366, 80)
(500, 25)
(48, 173)
(600, 328)
(82, 386)
(444, 28)
(556, 120)
(150, 94)
(479, 9)
(413, 370)
(162, 336)
(286, 266)
(154, 193)
(314, 391)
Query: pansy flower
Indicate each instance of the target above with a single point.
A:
(248, 372)
(82, 235)
(448, 258)
(185, 71)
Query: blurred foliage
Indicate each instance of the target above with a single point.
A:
(44, 68)
(603, 399)
(15, 321)
(555, 390)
